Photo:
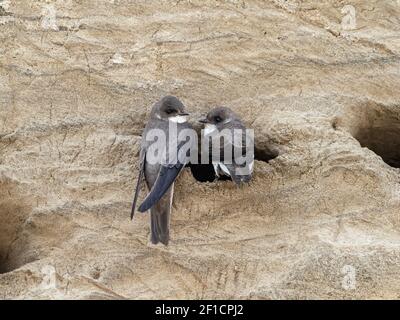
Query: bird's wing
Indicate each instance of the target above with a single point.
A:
(166, 177)
(142, 160)
(241, 172)
(246, 145)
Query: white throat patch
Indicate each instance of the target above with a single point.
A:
(178, 119)
(209, 128)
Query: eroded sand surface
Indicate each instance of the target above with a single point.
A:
(321, 220)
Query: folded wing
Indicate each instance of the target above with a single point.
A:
(166, 177)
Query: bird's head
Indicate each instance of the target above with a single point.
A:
(219, 116)
(170, 108)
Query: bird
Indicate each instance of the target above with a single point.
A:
(160, 169)
(238, 167)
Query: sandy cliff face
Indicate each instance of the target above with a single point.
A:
(321, 220)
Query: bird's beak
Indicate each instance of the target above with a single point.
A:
(183, 114)
(203, 120)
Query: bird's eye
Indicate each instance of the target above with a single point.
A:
(218, 119)
(169, 111)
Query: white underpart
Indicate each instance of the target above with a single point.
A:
(215, 165)
(218, 167)
(251, 166)
(224, 168)
(178, 119)
(209, 128)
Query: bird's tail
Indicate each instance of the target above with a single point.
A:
(160, 224)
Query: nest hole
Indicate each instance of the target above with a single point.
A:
(380, 132)
(206, 173)
(265, 154)
(12, 213)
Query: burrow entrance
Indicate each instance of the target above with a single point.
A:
(206, 173)
(377, 127)
(12, 212)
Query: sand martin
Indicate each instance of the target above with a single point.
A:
(237, 163)
(161, 167)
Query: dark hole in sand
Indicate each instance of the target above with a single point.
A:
(12, 215)
(9, 224)
(381, 134)
(206, 173)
